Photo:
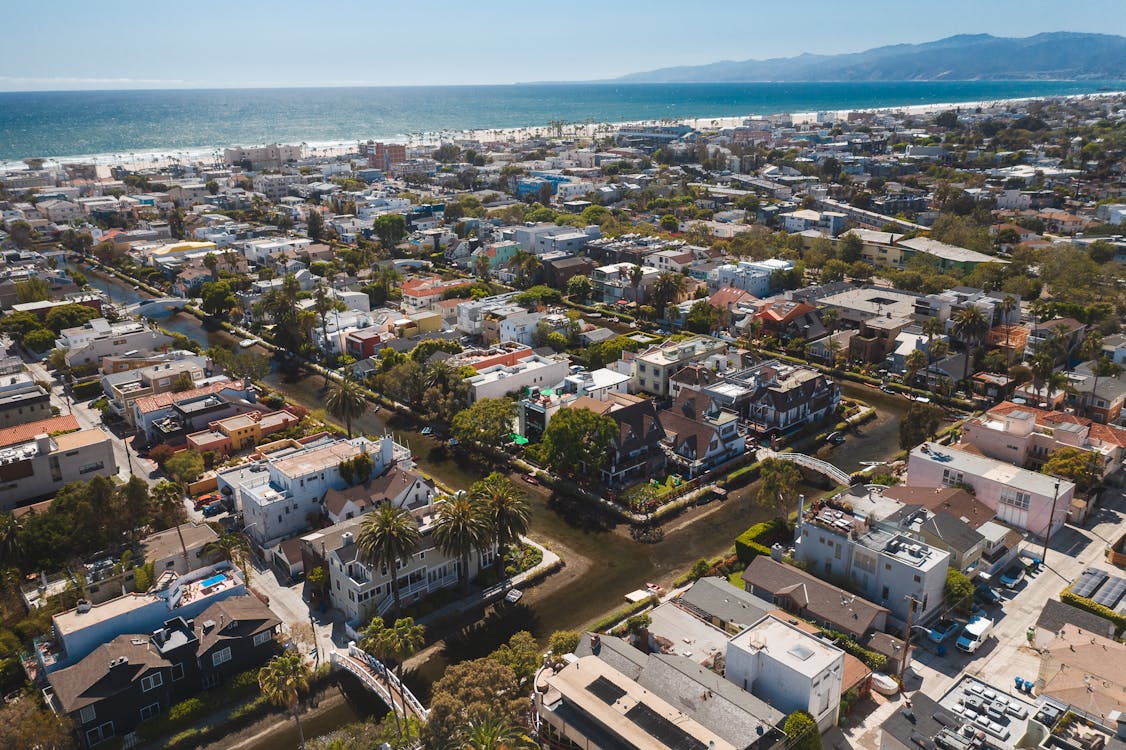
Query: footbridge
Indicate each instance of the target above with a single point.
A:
(156, 308)
(380, 680)
(809, 462)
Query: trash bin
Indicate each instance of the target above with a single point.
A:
(1019, 684)
(940, 650)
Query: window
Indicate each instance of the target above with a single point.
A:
(177, 672)
(1017, 499)
(885, 593)
(99, 734)
(918, 579)
(221, 657)
(951, 477)
(150, 711)
(264, 637)
(152, 682)
(86, 715)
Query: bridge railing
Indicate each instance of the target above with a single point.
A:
(392, 679)
(341, 660)
(816, 464)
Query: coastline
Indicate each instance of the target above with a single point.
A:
(212, 155)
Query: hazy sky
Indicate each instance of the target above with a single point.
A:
(78, 44)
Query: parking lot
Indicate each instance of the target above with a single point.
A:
(1007, 654)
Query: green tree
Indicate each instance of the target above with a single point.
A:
(561, 643)
(69, 316)
(970, 325)
(184, 467)
(779, 481)
(389, 535)
(39, 340)
(404, 639)
(391, 229)
(217, 298)
(19, 324)
(577, 441)
(493, 732)
(34, 289)
(702, 317)
(488, 422)
(460, 530)
(282, 681)
(315, 225)
(1082, 467)
(959, 590)
(234, 548)
(25, 723)
(579, 288)
(915, 361)
(506, 509)
(801, 732)
(920, 423)
(345, 400)
(469, 691)
(521, 654)
(667, 288)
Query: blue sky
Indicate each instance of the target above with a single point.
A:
(72, 44)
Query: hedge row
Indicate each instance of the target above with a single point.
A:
(755, 540)
(88, 389)
(1089, 605)
(873, 659)
(621, 614)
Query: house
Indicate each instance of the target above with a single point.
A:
(944, 255)
(875, 559)
(34, 464)
(420, 293)
(532, 371)
(700, 435)
(204, 401)
(361, 589)
(635, 452)
(813, 599)
(919, 725)
(652, 367)
(788, 319)
(22, 402)
(1024, 499)
(541, 404)
(1056, 615)
(1085, 670)
(135, 677)
(942, 530)
(166, 552)
(400, 487)
(754, 277)
(1066, 333)
(132, 378)
(233, 434)
(1101, 399)
(774, 397)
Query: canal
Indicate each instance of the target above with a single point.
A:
(603, 561)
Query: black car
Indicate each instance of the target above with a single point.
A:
(987, 595)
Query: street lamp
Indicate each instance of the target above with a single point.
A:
(1051, 520)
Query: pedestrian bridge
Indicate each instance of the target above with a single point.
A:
(380, 680)
(156, 308)
(809, 462)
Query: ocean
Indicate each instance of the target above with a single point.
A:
(87, 123)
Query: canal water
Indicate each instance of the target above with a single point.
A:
(603, 562)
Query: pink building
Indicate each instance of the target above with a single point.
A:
(1025, 436)
(1020, 498)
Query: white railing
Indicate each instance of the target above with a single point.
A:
(369, 676)
(815, 464)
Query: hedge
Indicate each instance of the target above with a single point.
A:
(752, 542)
(89, 389)
(1089, 605)
(620, 614)
(873, 659)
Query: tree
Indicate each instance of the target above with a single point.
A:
(915, 361)
(34, 289)
(217, 298)
(506, 509)
(389, 535)
(493, 732)
(920, 423)
(521, 654)
(39, 340)
(21, 233)
(636, 276)
(234, 548)
(184, 467)
(959, 590)
(469, 691)
(346, 400)
(561, 643)
(970, 325)
(390, 228)
(404, 639)
(666, 289)
(802, 732)
(702, 317)
(669, 223)
(282, 681)
(315, 225)
(25, 723)
(1103, 367)
(577, 441)
(779, 481)
(487, 422)
(461, 529)
(579, 288)
(1082, 467)
(69, 316)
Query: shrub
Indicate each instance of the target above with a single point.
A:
(753, 542)
(187, 709)
(621, 614)
(873, 659)
(1089, 605)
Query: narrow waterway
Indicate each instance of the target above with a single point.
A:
(603, 561)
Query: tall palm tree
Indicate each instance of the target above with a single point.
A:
(506, 509)
(282, 681)
(492, 731)
(345, 400)
(1007, 304)
(10, 544)
(374, 639)
(233, 548)
(167, 497)
(1043, 365)
(322, 304)
(932, 327)
(636, 275)
(461, 529)
(389, 534)
(915, 361)
(970, 325)
(666, 289)
(404, 639)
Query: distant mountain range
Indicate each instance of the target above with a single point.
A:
(966, 57)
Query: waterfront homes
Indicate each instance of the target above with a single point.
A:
(170, 417)
(36, 460)
(635, 452)
(699, 434)
(278, 493)
(652, 367)
(362, 590)
(541, 404)
(532, 371)
(135, 677)
(1022, 498)
(880, 562)
(233, 434)
(396, 486)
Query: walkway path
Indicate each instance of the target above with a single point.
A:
(380, 680)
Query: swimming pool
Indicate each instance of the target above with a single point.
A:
(209, 582)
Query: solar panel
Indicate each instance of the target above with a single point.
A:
(606, 691)
(1110, 592)
(1089, 582)
(663, 730)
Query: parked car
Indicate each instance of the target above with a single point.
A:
(1012, 576)
(943, 630)
(204, 500)
(213, 510)
(987, 595)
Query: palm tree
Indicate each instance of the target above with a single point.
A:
(167, 497)
(1043, 365)
(506, 509)
(491, 732)
(233, 548)
(932, 327)
(666, 289)
(211, 262)
(345, 400)
(389, 534)
(404, 639)
(282, 680)
(375, 640)
(322, 304)
(915, 361)
(1007, 304)
(636, 275)
(461, 529)
(10, 544)
(969, 325)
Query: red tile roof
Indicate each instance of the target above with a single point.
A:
(22, 433)
(159, 401)
(1097, 431)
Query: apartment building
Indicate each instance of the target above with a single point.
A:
(1021, 498)
(34, 464)
(233, 434)
(277, 186)
(132, 378)
(421, 293)
(652, 367)
(540, 405)
(273, 156)
(98, 338)
(22, 402)
(532, 371)
(144, 412)
(612, 283)
(472, 313)
(753, 277)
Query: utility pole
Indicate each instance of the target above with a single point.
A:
(1051, 519)
(907, 643)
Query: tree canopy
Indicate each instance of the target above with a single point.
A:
(577, 441)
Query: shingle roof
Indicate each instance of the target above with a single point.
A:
(1056, 614)
(251, 616)
(92, 680)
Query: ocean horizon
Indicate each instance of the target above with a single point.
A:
(70, 124)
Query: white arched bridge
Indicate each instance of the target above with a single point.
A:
(156, 308)
(840, 476)
(380, 680)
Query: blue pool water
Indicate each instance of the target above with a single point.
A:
(208, 582)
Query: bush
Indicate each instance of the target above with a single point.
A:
(88, 389)
(753, 542)
(1089, 605)
(187, 709)
(873, 659)
(621, 614)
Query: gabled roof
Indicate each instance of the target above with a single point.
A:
(161, 400)
(92, 679)
(249, 615)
